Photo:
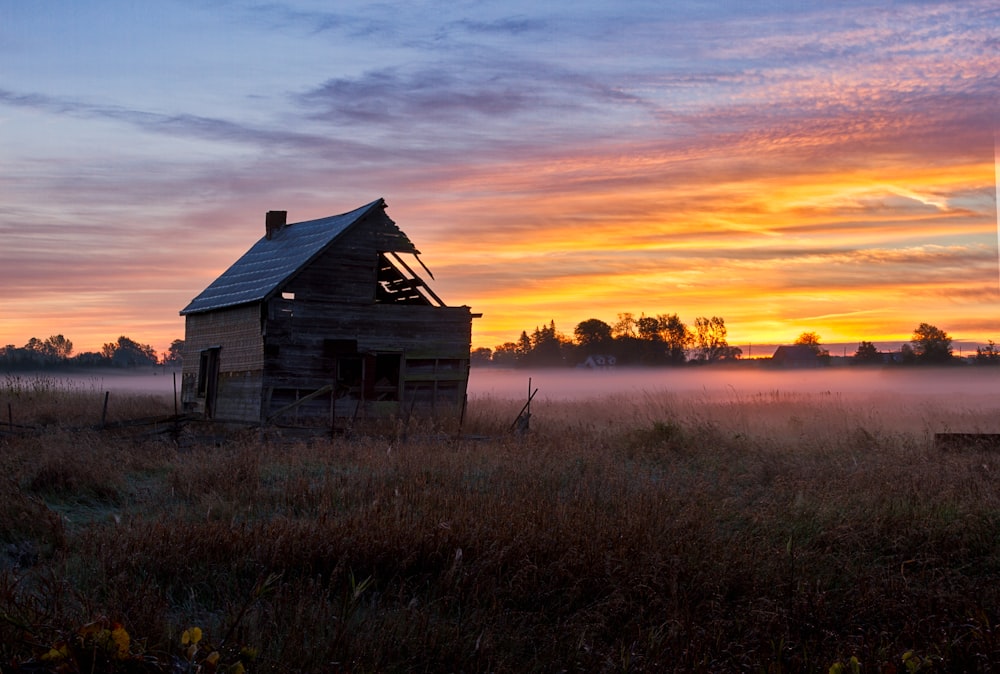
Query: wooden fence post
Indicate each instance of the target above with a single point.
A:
(104, 412)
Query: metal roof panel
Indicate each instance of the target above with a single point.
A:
(269, 262)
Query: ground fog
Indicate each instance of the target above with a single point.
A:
(980, 386)
(567, 384)
(959, 399)
(921, 402)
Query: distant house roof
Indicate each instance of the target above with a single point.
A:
(795, 354)
(272, 260)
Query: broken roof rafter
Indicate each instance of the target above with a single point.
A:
(398, 283)
(414, 275)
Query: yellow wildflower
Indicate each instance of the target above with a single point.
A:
(121, 641)
(191, 636)
(56, 654)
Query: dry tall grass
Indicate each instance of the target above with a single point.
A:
(652, 532)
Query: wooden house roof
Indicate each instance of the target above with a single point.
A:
(271, 261)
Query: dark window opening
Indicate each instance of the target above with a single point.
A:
(386, 380)
(373, 377)
(340, 347)
(350, 377)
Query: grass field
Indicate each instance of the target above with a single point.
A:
(768, 532)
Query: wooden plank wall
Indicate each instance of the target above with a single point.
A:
(239, 397)
(334, 300)
(238, 332)
(298, 356)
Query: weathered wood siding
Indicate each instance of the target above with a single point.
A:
(333, 317)
(239, 396)
(236, 332)
(303, 347)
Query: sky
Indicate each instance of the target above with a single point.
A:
(787, 166)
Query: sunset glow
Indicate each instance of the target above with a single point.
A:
(802, 167)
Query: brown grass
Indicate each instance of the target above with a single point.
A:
(654, 532)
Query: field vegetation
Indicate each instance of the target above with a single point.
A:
(645, 532)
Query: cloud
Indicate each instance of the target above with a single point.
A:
(283, 16)
(187, 125)
(419, 98)
(512, 25)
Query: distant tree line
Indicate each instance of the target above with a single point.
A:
(929, 345)
(57, 352)
(631, 340)
(666, 340)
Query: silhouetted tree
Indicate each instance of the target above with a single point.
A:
(867, 353)
(507, 354)
(523, 346)
(629, 347)
(907, 355)
(128, 353)
(59, 347)
(625, 327)
(647, 346)
(931, 345)
(593, 334)
(676, 336)
(37, 353)
(710, 340)
(811, 339)
(90, 359)
(175, 353)
(988, 355)
(481, 356)
(547, 346)
(647, 328)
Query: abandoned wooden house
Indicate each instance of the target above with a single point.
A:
(325, 320)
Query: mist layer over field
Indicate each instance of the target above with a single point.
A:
(750, 401)
(742, 399)
(978, 386)
(982, 384)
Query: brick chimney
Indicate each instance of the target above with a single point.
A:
(274, 222)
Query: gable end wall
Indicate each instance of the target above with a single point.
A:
(237, 332)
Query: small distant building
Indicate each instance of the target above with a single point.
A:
(598, 362)
(796, 355)
(321, 320)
